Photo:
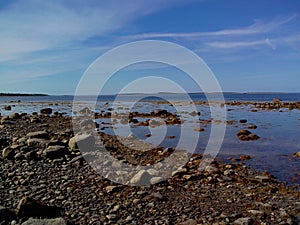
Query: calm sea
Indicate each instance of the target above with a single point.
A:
(195, 97)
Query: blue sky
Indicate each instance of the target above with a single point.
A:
(45, 46)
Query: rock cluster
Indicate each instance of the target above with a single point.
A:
(45, 180)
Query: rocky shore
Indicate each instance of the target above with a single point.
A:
(45, 180)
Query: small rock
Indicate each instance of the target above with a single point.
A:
(199, 129)
(255, 212)
(7, 107)
(243, 132)
(243, 121)
(262, 178)
(252, 126)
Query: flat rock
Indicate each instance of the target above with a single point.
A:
(55, 151)
(38, 134)
(243, 221)
(56, 221)
(189, 222)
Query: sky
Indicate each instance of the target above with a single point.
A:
(250, 46)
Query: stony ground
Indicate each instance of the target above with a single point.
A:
(45, 168)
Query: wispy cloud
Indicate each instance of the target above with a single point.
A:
(240, 44)
(28, 26)
(258, 27)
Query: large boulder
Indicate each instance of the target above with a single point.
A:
(85, 142)
(46, 111)
(28, 207)
(6, 215)
(141, 178)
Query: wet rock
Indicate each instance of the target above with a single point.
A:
(277, 100)
(85, 110)
(252, 126)
(55, 151)
(245, 157)
(56, 221)
(245, 135)
(7, 107)
(199, 129)
(14, 116)
(28, 207)
(38, 134)
(46, 111)
(297, 154)
(243, 132)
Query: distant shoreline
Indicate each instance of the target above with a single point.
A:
(21, 94)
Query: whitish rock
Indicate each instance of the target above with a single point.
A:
(141, 178)
(8, 153)
(85, 142)
(243, 221)
(38, 134)
(56, 221)
(189, 222)
(155, 180)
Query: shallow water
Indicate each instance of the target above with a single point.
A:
(279, 131)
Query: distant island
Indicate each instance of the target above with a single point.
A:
(21, 94)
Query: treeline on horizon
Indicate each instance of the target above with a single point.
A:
(21, 94)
